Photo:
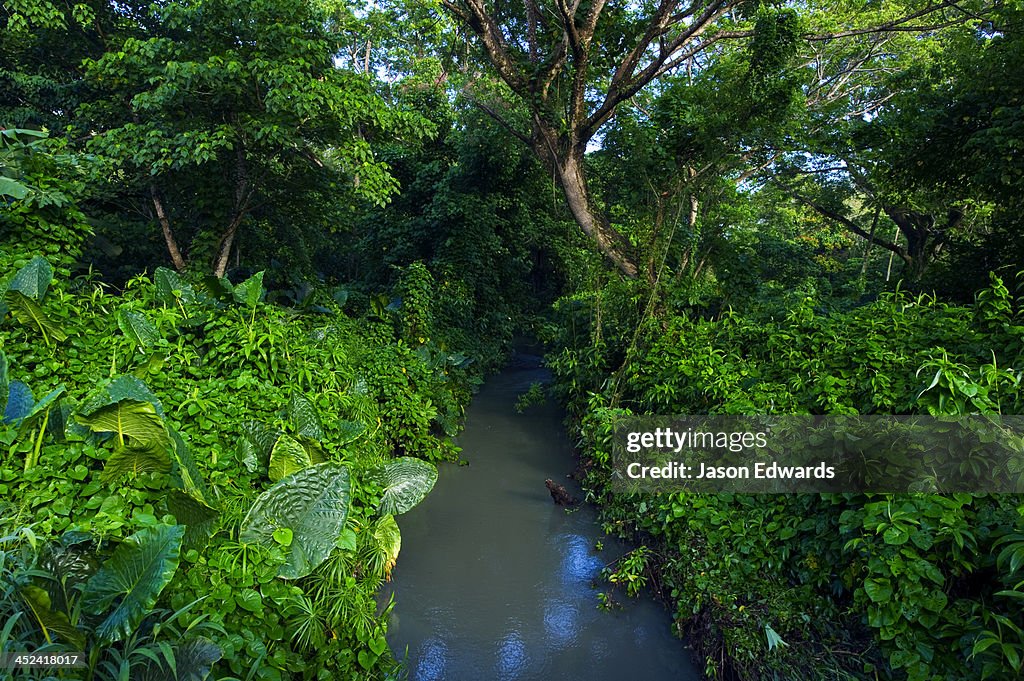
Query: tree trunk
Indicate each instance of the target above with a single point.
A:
(220, 266)
(165, 226)
(242, 196)
(574, 185)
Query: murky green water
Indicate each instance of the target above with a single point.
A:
(496, 582)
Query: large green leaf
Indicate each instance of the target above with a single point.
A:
(168, 282)
(199, 519)
(70, 561)
(40, 408)
(350, 432)
(219, 288)
(313, 504)
(287, 457)
(131, 580)
(313, 448)
(137, 420)
(52, 622)
(124, 387)
(33, 279)
(58, 423)
(132, 460)
(137, 328)
(381, 545)
(192, 661)
(28, 312)
(257, 443)
(305, 416)
(406, 482)
(13, 188)
(195, 658)
(250, 290)
(190, 478)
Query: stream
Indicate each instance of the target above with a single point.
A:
(495, 581)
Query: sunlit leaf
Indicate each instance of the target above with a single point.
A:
(28, 312)
(313, 503)
(287, 457)
(190, 478)
(250, 291)
(128, 418)
(33, 279)
(124, 387)
(406, 482)
(54, 624)
(135, 459)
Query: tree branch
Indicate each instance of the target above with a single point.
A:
(852, 226)
(525, 139)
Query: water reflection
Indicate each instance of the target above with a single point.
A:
(561, 623)
(431, 660)
(579, 565)
(512, 657)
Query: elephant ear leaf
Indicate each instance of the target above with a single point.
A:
(137, 420)
(131, 460)
(33, 279)
(53, 623)
(20, 401)
(27, 311)
(257, 443)
(71, 560)
(127, 407)
(131, 580)
(186, 472)
(250, 291)
(170, 286)
(312, 503)
(219, 288)
(305, 416)
(124, 387)
(349, 432)
(137, 329)
(199, 519)
(406, 482)
(194, 659)
(41, 408)
(287, 457)
(382, 546)
(313, 448)
(12, 188)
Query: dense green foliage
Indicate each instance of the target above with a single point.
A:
(254, 257)
(151, 463)
(931, 579)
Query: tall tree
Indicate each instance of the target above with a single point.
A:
(571, 64)
(42, 45)
(229, 108)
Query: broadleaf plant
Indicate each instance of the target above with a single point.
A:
(313, 503)
(131, 580)
(406, 482)
(137, 328)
